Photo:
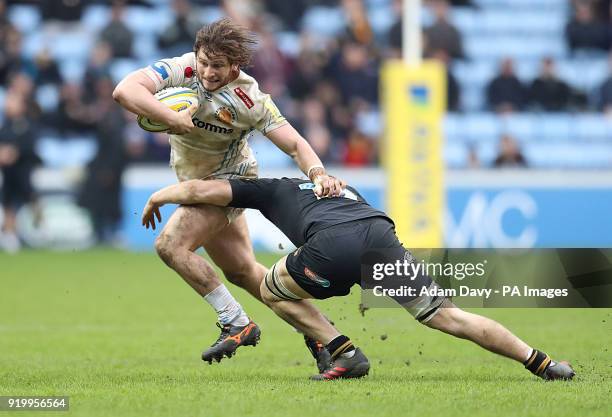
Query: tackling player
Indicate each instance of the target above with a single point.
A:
(332, 235)
(211, 141)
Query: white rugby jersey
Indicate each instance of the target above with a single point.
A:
(223, 123)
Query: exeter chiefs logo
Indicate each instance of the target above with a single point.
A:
(225, 115)
(321, 281)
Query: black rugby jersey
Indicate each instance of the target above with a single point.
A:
(294, 208)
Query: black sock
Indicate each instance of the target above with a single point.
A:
(537, 362)
(339, 345)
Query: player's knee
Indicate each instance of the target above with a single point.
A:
(165, 248)
(447, 319)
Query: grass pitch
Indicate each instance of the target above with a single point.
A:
(121, 334)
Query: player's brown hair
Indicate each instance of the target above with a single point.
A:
(226, 38)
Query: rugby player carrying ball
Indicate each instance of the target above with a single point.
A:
(211, 141)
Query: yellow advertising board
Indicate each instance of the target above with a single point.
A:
(414, 102)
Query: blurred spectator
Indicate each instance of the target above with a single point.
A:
(505, 93)
(358, 26)
(179, 36)
(62, 10)
(604, 93)
(47, 71)
(5, 24)
(355, 73)
(394, 36)
(314, 126)
(605, 97)
(442, 34)
(338, 117)
(21, 85)
(509, 155)
(99, 66)
(453, 92)
(584, 30)
(548, 92)
(289, 12)
(602, 9)
(11, 56)
(3, 17)
(17, 160)
(320, 139)
(245, 12)
(118, 36)
(101, 191)
(359, 151)
(306, 72)
(462, 3)
(270, 67)
(71, 116)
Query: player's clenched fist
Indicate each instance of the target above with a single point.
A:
(325, 185)
(328, 186)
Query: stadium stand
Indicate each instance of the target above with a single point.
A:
(525, 30)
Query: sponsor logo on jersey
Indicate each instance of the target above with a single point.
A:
(321, 281)
(243, 96)
(160, 68)
(225, 115)
(211, 127)
(188, 72)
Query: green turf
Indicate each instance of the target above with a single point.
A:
(121, 335)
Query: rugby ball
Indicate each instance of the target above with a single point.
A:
(177, 98)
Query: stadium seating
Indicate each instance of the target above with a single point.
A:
(523, 4)
(324, 21)
(27, 18)
(95, 17)
(47, 97)
(70, 152)
(526, 30)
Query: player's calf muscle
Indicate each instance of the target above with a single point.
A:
(481, 330)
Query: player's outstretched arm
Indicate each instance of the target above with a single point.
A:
(135, 94)
(215, 192)
(293, 144)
